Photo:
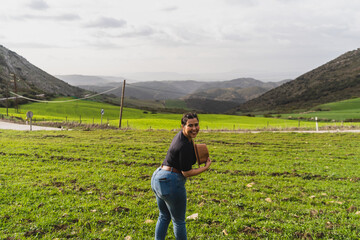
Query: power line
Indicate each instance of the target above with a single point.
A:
(87, 97)
(72, 100)
(2, 99)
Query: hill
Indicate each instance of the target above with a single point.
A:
(210, 96)
(151, 90)
(236, 94)
(346, 110)
(220, 100)
(31, 80)
(336, 80)
(220, 97)
(161, 90)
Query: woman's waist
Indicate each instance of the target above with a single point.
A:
(162, 173)
(170, 169)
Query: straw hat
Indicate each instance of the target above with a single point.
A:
(201, 152)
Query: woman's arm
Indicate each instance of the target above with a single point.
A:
(197, 171)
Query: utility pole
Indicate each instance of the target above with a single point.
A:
(7, 98)
(15, 90)
(122, 103)
(16, 99)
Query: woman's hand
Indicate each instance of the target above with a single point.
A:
(196, 171)
(208, 163)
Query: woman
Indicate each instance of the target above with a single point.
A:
(168, 181)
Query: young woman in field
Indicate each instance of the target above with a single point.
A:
(168, 181)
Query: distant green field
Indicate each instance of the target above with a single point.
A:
(144, 103)
(175, 104)
(339, 111)
(89, 112)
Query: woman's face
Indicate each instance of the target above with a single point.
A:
(191, 129)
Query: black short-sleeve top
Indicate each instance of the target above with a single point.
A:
(181, 154)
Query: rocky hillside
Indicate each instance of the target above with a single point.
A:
(336, 80)
(31, 80)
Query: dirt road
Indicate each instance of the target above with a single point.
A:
(23, 127)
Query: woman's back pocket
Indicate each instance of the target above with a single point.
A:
(164, 186)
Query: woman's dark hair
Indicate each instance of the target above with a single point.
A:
(188, 116)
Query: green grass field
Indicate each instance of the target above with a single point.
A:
(145, 104)
(175, 104)
(88, 112)
(339, 111)
(96, 185)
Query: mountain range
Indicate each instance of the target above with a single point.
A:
(174, 76)
(336, 80)
(160, 90)
(207, 96)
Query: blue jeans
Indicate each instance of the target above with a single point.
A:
(170, 192)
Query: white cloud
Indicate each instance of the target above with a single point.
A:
(32, 45)
(38, 4)
(248, 3)
(144, 31)
(185, 36)
(61, 17)
(107, 22)
(170, 9)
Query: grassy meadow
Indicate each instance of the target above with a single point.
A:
(96, 185)
(338, 111)
(88, 112)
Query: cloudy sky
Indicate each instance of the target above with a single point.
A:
(264, 39)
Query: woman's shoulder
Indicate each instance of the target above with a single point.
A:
(179, 137)
(180, 141)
